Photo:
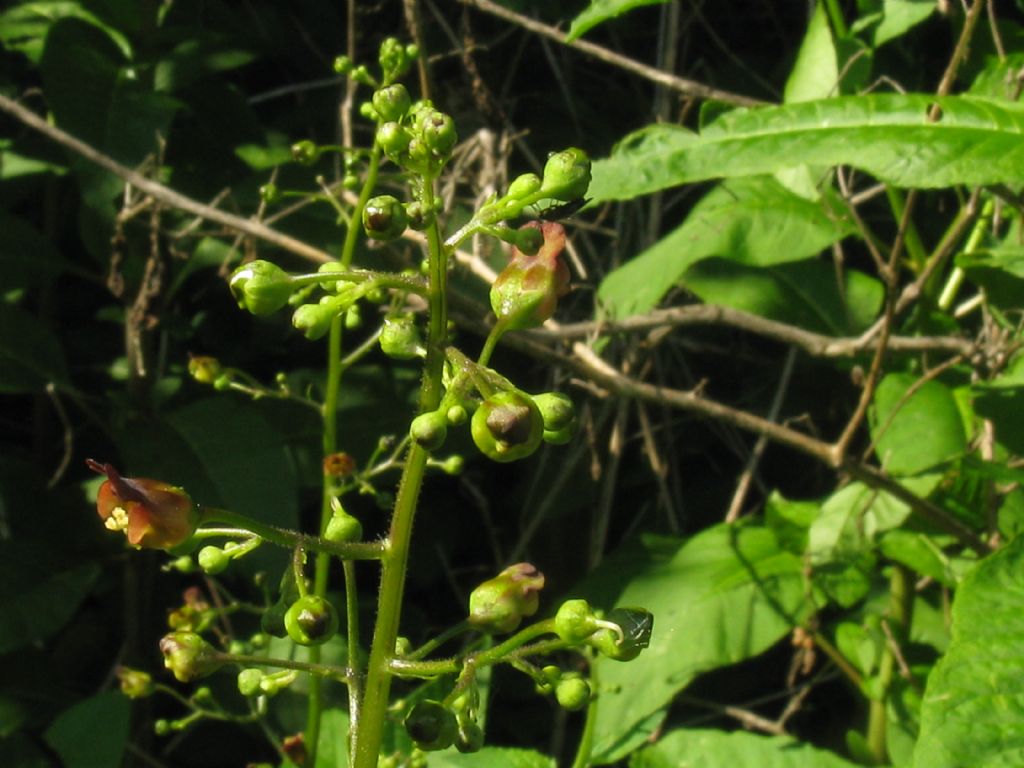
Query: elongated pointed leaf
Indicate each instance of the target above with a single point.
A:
(974, 703)
(976, 141)
(699, 748)
(599, 11)
(753, 221)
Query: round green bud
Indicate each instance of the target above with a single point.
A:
(249, 682)
(350, 181)
(333, 266)
(453, 465)
(524, 186)
(362, 76)
(420, 216)
(470, 737)
(575, 621)
(566, 175)
(342, 65)
(269, 193)
(393, 139)
(431, 725)
(353, 317)
(311, 620)
(366, 109)
(343, 528)
(392, 102)
(400, 338)
(557, 411)
(572, 693)
(223, 382)
(261, 287)
(507, 426)
(305, 152)
(457, 415)
(439, 135)
(500, 604)
(213, 560)
(162, 727)
(384, 218)
(429, 430)
(204, 369)
(314, 320)
(528, 240)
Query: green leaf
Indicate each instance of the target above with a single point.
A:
(599, 11)
(815, 72)
(39, 593)
(30, 354)
(974, 701)
(1000, 271)
(725, 595)
(805, 294)
(977, 141)
(900, 15)
(713, 749)
(24, 27)
(491, 757)
(920, 553)
(93, 732)
(752, 221)
(915, 425)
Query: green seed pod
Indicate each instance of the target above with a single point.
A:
(431, 726)
(343, 527)
(249, 682)
(261, 287)
(204, 369)
(420, 216)
(507, 426)
(305, 152)
(566, 175)
(392, 102)
(429, 430)
(311, 620)
(572, 692)
(500, 604)
(528, 240)
(575, 621)
(188, 656)
(634, 627)
(269, 193)
(384, 218)
(470, 737)
(524, 187)
(400, 338)
(213, 560)
(556, 409)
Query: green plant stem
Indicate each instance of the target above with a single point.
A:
(355, 223)
(362, 277)
(282, 537)
(901, 596)
(956, 277)
(586, 745)
(437, 642)
(370, 732)
(316, 670)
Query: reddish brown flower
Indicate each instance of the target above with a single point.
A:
(150, 513)
(524, 295)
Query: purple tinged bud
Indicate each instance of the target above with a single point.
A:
(500, 604)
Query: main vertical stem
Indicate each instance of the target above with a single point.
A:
(370, 729)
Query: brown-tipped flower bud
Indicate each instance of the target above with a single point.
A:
(339, 464)
(311, 620)
(500, 604)
(507, 426)
(135, 684)
(188, 656)
(150, 513)
(261, 287)
(384, 217)
(526, 291)
(566, 175)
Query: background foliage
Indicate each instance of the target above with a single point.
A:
(810, 519)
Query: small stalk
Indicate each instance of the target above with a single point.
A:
(901, 597)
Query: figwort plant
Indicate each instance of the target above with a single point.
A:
(506, 424)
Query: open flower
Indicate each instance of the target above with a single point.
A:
(150, 513)
(525, 293)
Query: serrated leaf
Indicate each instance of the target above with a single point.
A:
(93, 732)
(752, 221)
(724, 595)
(805, 294)
(698, 748)
(977, 141)
(915, 425)
(974, 701)
(599, 11)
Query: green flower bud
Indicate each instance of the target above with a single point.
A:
(350, 181)
(261, 287)
(342, 65)
(559, 436)
(393, 140)
(314, 320)
(575, 621)
(400, 338)
(470, 737)
(500, 604)
(343, 527)
(269, 193)
(623, 634)
(305, 152)
(420, 216)
(162, 727)
(438, 132)
(393, 59)
(392, 102)
(362, 75)
(213, 560)
(353, 317)
(135, 684)
(566, 175)
(431, 726)
(526, 292)
(453, 465)
(204, 369)
(223, 382)
(572, 693)
(275, 682)
(457, 415)
(188, 656)
(507, 426)
(429, 430)
(333, 266)
(556, 409)
(528, 240)
(311, 620)
(366, 108)
(384, 218)
(249, 682)
(524, 187)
